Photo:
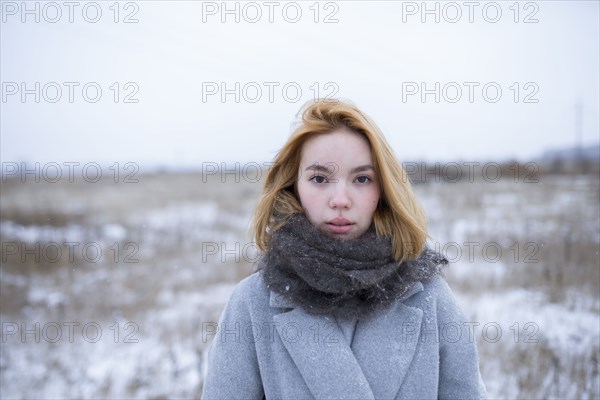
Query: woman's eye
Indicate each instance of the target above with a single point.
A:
(363, 179)
(318, 179)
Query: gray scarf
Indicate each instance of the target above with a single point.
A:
(325, 275)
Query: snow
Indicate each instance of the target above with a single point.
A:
(151, 312)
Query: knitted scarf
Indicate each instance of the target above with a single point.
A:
(327, 275)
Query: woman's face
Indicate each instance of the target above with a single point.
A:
(337, 185)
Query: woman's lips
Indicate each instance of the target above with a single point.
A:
(339, 225)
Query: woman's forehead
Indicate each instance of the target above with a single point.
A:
(340, 147)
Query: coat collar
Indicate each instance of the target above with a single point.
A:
(278, 301)
(333, 369)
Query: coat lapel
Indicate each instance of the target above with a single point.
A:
(384, 346)
(375, 366)
(323, 357)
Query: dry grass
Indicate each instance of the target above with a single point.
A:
(549, 234)
(171, 289)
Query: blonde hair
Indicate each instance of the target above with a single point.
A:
(398, 214)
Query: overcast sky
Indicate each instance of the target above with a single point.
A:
(507, 75)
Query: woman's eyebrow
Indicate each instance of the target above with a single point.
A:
(361, 168)
(319, 167)
(331, 168)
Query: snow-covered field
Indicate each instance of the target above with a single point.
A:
(108, 290)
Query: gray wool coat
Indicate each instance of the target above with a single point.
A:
(419, 348)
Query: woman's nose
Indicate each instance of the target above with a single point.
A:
(340, 197)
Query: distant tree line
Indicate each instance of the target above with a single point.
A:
(492, 171)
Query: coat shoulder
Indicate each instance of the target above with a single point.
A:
(251, 284)
(438, 297)
(251, 292)
(437, 285)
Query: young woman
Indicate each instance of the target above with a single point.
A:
(348, 302)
